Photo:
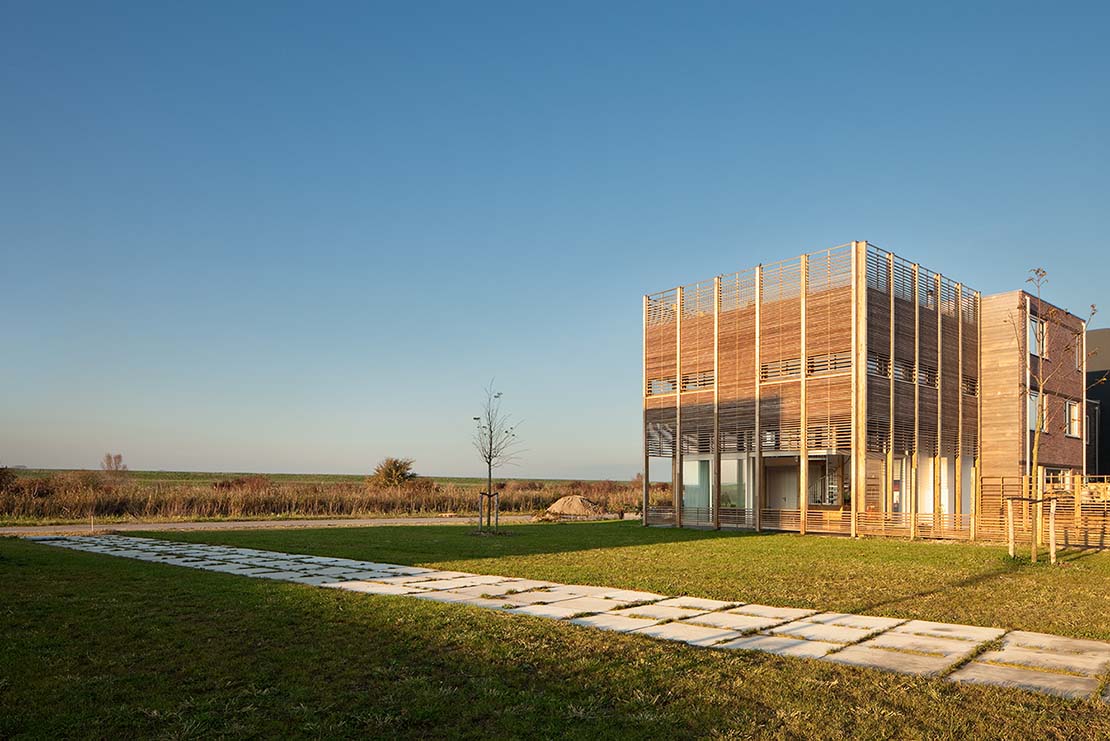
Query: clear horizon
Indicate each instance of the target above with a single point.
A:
(270, 239)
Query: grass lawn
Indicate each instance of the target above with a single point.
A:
(101, 646)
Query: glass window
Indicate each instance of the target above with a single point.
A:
(1073, 419)
(732, 483)
(1037, 332)
(1031, 411)
(695, 483)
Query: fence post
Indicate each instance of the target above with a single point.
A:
(497, 511)
(1010, 525)
(1052, 531)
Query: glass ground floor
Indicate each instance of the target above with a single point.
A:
(775, 492)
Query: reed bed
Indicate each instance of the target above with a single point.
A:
(81, 495)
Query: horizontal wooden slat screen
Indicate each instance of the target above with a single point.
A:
(736, 362)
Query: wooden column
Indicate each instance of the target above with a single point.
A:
(916, 400)
(978, 474)
(853, 511)
(940, 402)
(958, 487)
(758, 494)
(889, 477)
(859, 380)
(803, 447)
(643, 426)
(678, 411)
(716, 464)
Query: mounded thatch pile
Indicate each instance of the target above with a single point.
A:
(572, 507)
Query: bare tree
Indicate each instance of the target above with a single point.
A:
(1035, 329)
(495, 439)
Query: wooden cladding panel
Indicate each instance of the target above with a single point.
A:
(697, 342)
(780, 313)
(829, 413)
(949, 382)
(927, 421)
(780, 415)
(660, 366)
(829, 310)
(1001, 385)
(660, 431)
(697, 423)
(878, 414)
(903, 418)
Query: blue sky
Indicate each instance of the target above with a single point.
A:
(281, 237)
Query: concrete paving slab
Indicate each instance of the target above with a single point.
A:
(581, 590)
(410, 570)
(891, 661)
(360, 575)
(483, 590)
(972, 633)
(782, 645)
(695, 635)
(863, 622)
(521, 585)
(552, 610)
(370, 587)
(446, 595)
(659, 612)
(279, 575)
(819, 632)
(1074, 663)
(609, 621)
(313, 580)
(631, 595)
(1048, 642)
(697, 603)
(740, 623)
(403, 579)
(468, 581)
(591, 604)
(786, 613)
(536, 598)
(1052, 683)
(948, 647)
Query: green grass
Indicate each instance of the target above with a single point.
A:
(101, 646)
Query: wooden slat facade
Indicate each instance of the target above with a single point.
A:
(878, 372)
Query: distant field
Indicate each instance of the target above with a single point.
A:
(210, 477)
(43, 496)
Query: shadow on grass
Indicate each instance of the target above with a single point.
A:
(400, 544)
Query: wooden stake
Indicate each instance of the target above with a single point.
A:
(1052, 531)
(1010, 525)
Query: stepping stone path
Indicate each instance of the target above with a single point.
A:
(1037, 662)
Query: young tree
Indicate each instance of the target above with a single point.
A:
(393, 472)
(495, 438)
(1041, 321)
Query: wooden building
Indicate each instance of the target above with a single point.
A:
(837, 392)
